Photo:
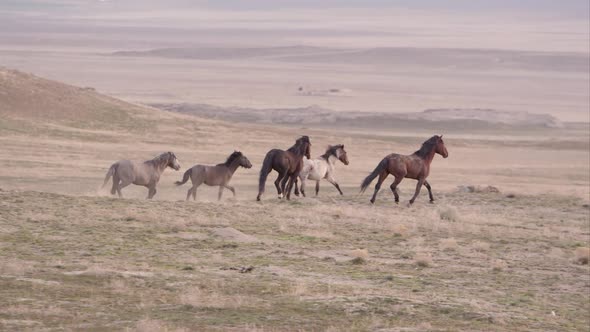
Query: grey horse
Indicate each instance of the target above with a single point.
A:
(147, 174)
(218, 175)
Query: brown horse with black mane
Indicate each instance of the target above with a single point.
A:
(218, 175)
(287, 163)
(415, 166)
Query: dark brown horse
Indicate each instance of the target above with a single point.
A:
(415, 166)
(147, 174)
(287, 163)
(218, 175)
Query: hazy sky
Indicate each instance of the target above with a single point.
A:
(573, 8)
(498, 24)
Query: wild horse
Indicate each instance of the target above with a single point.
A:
(218, 175)
(147, 174)
(287, 163)
(414, 166)
(322, 168)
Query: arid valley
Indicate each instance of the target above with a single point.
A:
(504, 247)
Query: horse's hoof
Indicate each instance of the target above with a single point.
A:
(372, 201)
(258, 199)
(432, 202)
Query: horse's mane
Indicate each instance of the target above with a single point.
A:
(298, 147)
(427, 147)
(159, 159)
(231, 158)
(331, 151)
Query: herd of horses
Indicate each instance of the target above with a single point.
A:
(291, 165)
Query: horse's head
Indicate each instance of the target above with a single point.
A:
(244, 162)
(341, 154)
(440, 147)
(172, 161)
(305, 143)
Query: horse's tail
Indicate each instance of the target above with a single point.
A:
(110, 173)
(367, 181)
(266, 168)
(185, 177)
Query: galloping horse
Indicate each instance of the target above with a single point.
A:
(415, 166)
(322, 168)
(218, 175)
(287, 163)
(147, 174)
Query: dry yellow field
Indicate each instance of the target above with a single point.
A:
(73, 258)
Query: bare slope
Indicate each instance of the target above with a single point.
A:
(36, 100)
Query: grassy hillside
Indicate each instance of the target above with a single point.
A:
(473, 262)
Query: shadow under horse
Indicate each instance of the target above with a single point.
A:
(147, 174)
(218, 175)
(415, 166)
(287, 163)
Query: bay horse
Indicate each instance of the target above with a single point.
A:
(218, 175)
(415, 166)
(287, 163)
(147, 174)
(322, 168)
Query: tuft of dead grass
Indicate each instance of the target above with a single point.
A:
(481, 246)
(448, 213)
(449, 244)
(423, 259)
(582, 255)
(499, 265)
(359, 253)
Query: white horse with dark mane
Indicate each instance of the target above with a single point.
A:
(322, 168)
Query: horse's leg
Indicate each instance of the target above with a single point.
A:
(418, 187)
(284, 184)
(427, 185)
(220, 192)
(189, 192)
(393, 187)
(278, 182)
(303, 180)
(382, 177)
(291, 179)
(122, 185)
(152, 191)
(115, 185)
(196, 185)
(296, 191)
(232, 189)
(332, 181)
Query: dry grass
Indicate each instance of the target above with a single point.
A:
(582, 255)
(449, 244)
(359, 253)
(423, 259)
(449, 213)
(480, 246)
